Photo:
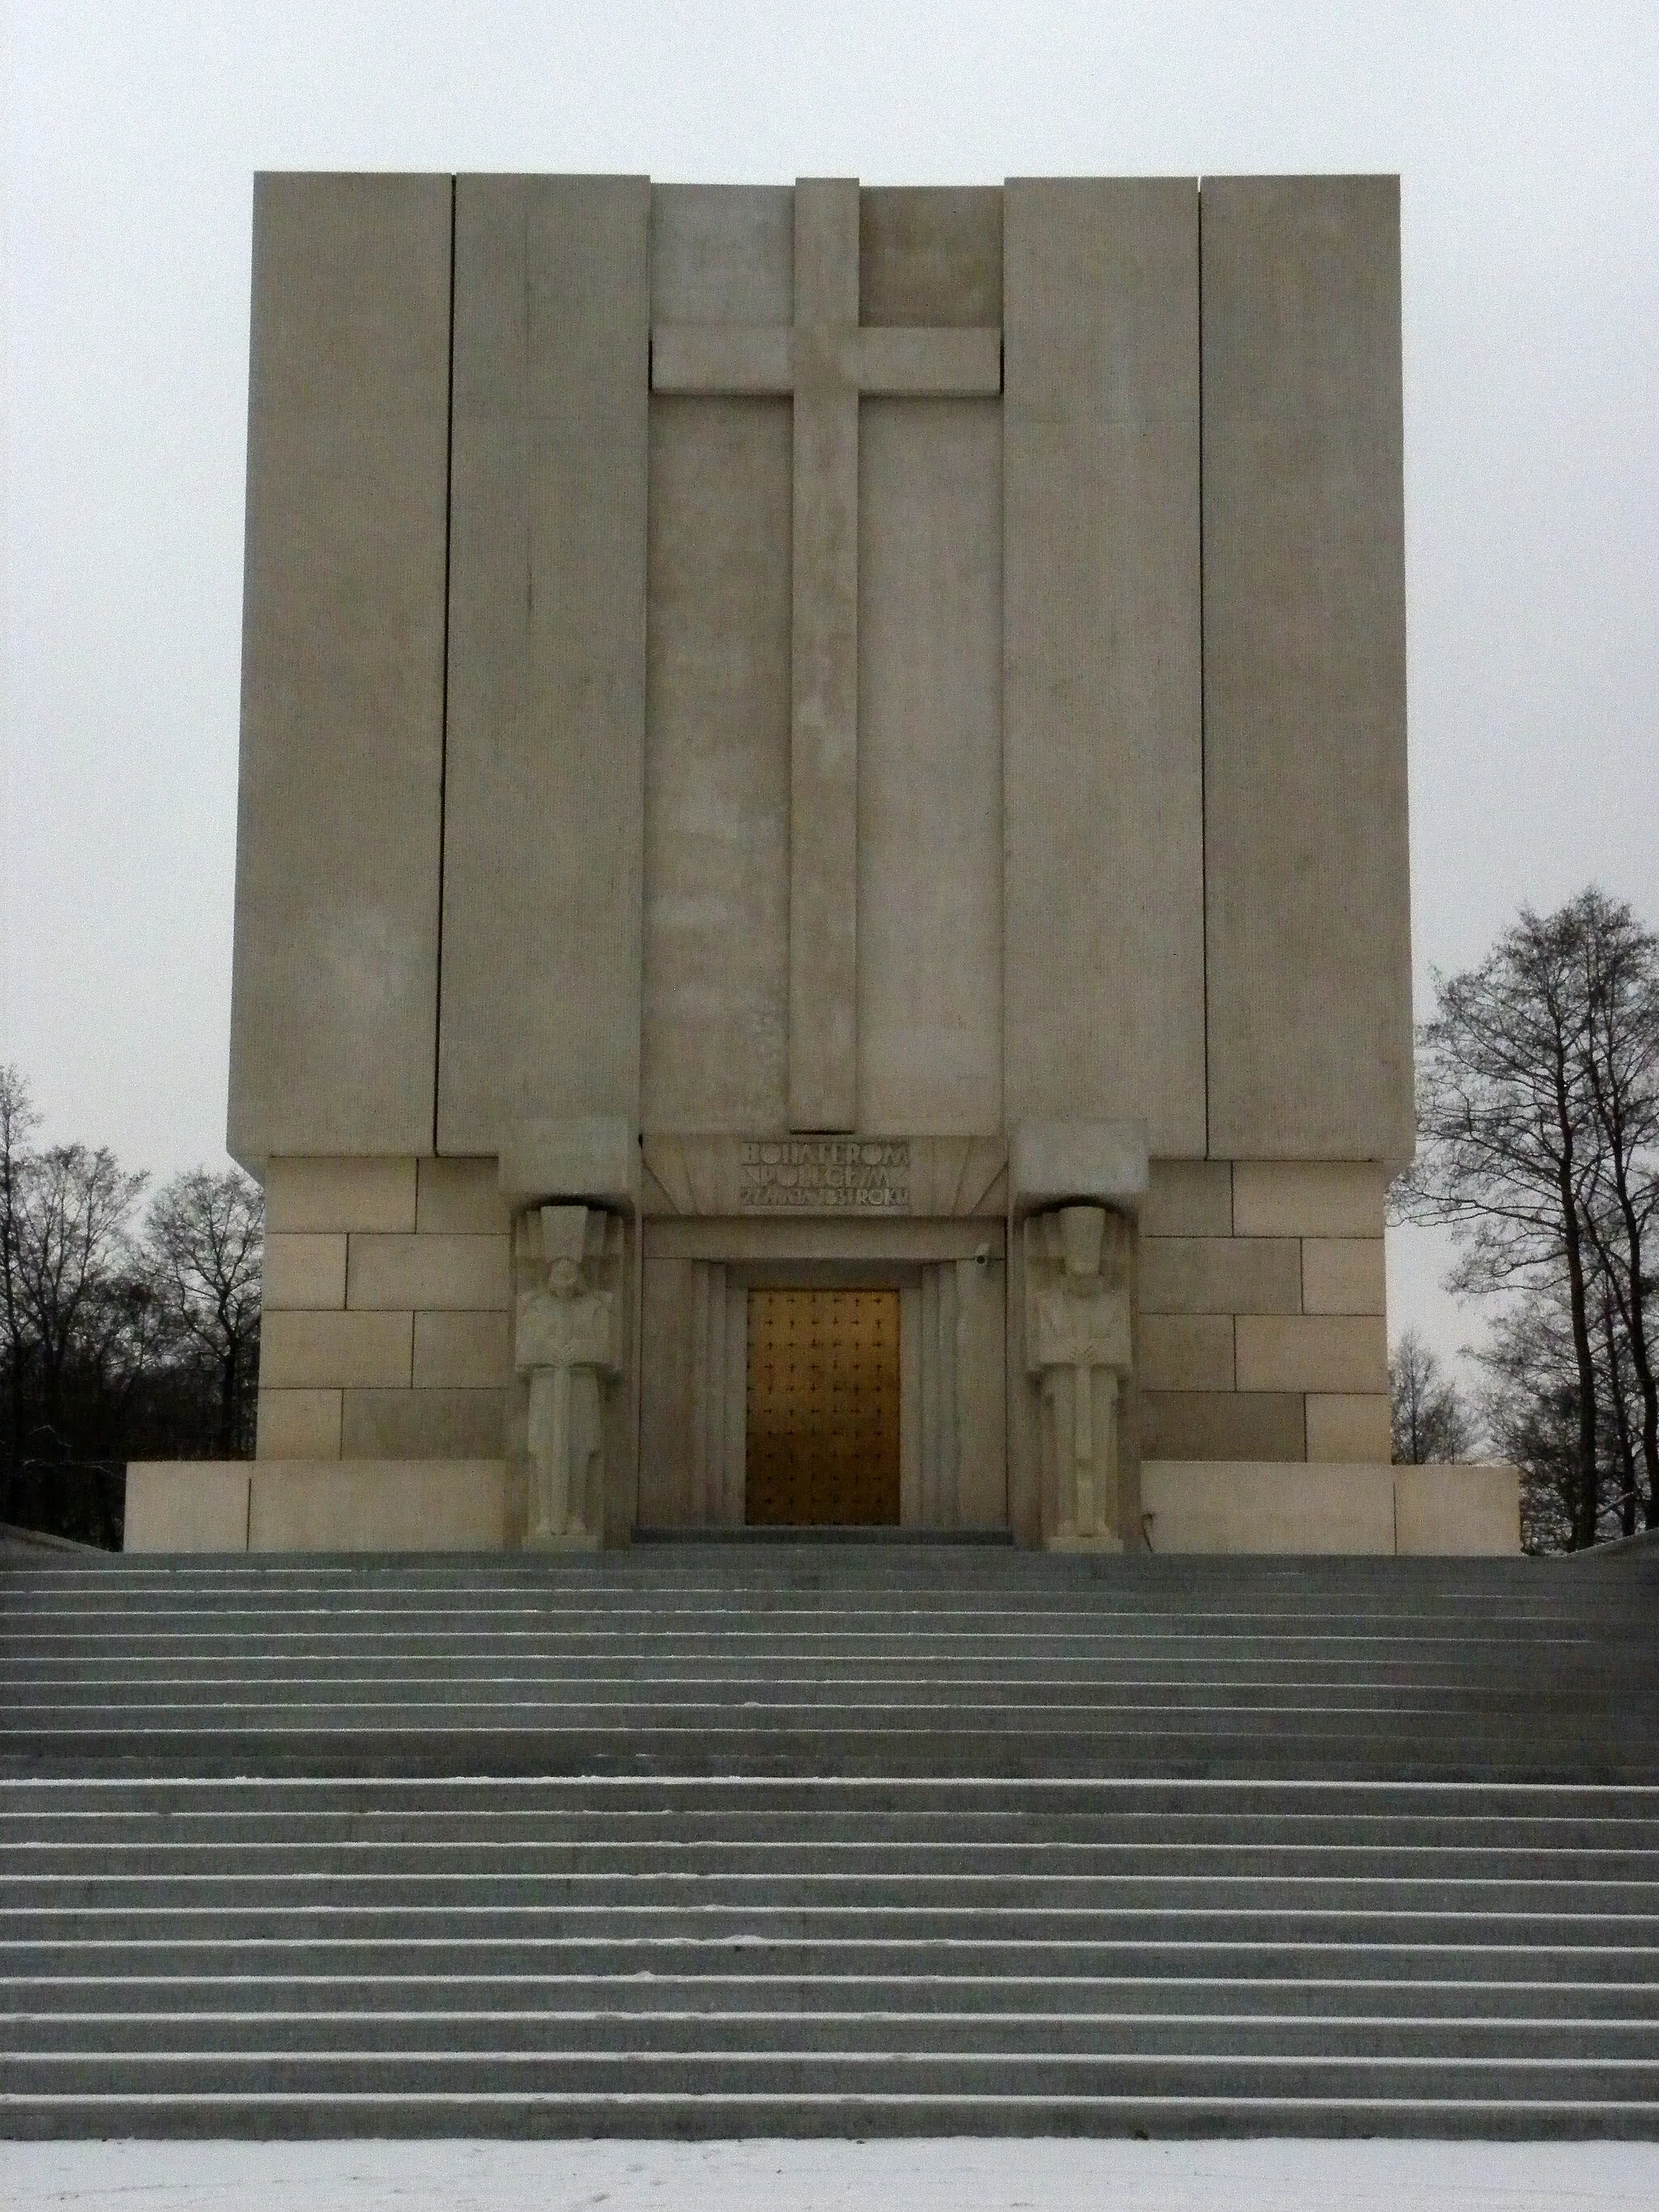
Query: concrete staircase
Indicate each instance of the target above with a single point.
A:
(780, 1838)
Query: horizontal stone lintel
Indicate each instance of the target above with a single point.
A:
(852, 1178)
(806, 1238)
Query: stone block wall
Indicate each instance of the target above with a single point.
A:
(386, 1333)
(1263, 1333)
(387, 1323)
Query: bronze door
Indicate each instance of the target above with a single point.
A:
(823, 1447)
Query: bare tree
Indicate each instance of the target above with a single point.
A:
(1622, 1483)
(1621, 1068)
(18, 1122)
(70, 1217)
(1530, 1409)
(202, 1255)
(116, 1344)
(1536, 1123)
(1429, 1417)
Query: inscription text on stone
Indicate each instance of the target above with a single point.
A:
(825, 1175)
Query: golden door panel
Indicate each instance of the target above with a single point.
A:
(823, 1444)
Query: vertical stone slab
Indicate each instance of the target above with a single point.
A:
(981, 1394)
(334, 997)
(545, 781)
(1102, 770)
(715, 1048)
(930, 255)
(665, 1492)
(717, 767)
(823, 725)
(722, 253)
(1304, 660)
(930, 766)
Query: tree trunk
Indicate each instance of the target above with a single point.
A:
(1623, 1435)
(227, 1366)
(1641, 1358)
(1586, 1508)
(1586, 1505)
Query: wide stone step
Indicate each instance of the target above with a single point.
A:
(517, 1865)
(405, 1991)
(657, 1618)
(713, 1745)
(761, 2070)
(1006, 1653)
(1477, 1685)
(1023, 1892)
(579, 2115)
(918, 1703)
(944, 1615)
(1322, 1806)
(1531, 1808)
(965, 1622)
(969, 1667)
(1392, 1953)
(646, 2114)
(833, 1831)
(693, 2033)
(825, 1555)
(753, 1909)
(748, 1839)
(1246, 1589)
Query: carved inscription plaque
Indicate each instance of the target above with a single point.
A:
(823, 1174)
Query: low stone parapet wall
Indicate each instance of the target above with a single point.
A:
(467, 1505)
(1218, 1505)
(318, 1506)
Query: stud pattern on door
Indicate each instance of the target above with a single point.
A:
(823, 1437)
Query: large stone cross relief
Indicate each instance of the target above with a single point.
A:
(825, 362)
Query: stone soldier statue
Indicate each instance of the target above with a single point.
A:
(565, 1343)
(1079, 1346)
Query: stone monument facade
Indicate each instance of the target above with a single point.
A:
(828, 739)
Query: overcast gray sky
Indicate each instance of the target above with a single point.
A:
(1526, 137)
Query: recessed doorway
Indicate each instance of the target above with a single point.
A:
(822, 1409)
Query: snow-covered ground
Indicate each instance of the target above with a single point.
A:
(949, 2176)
